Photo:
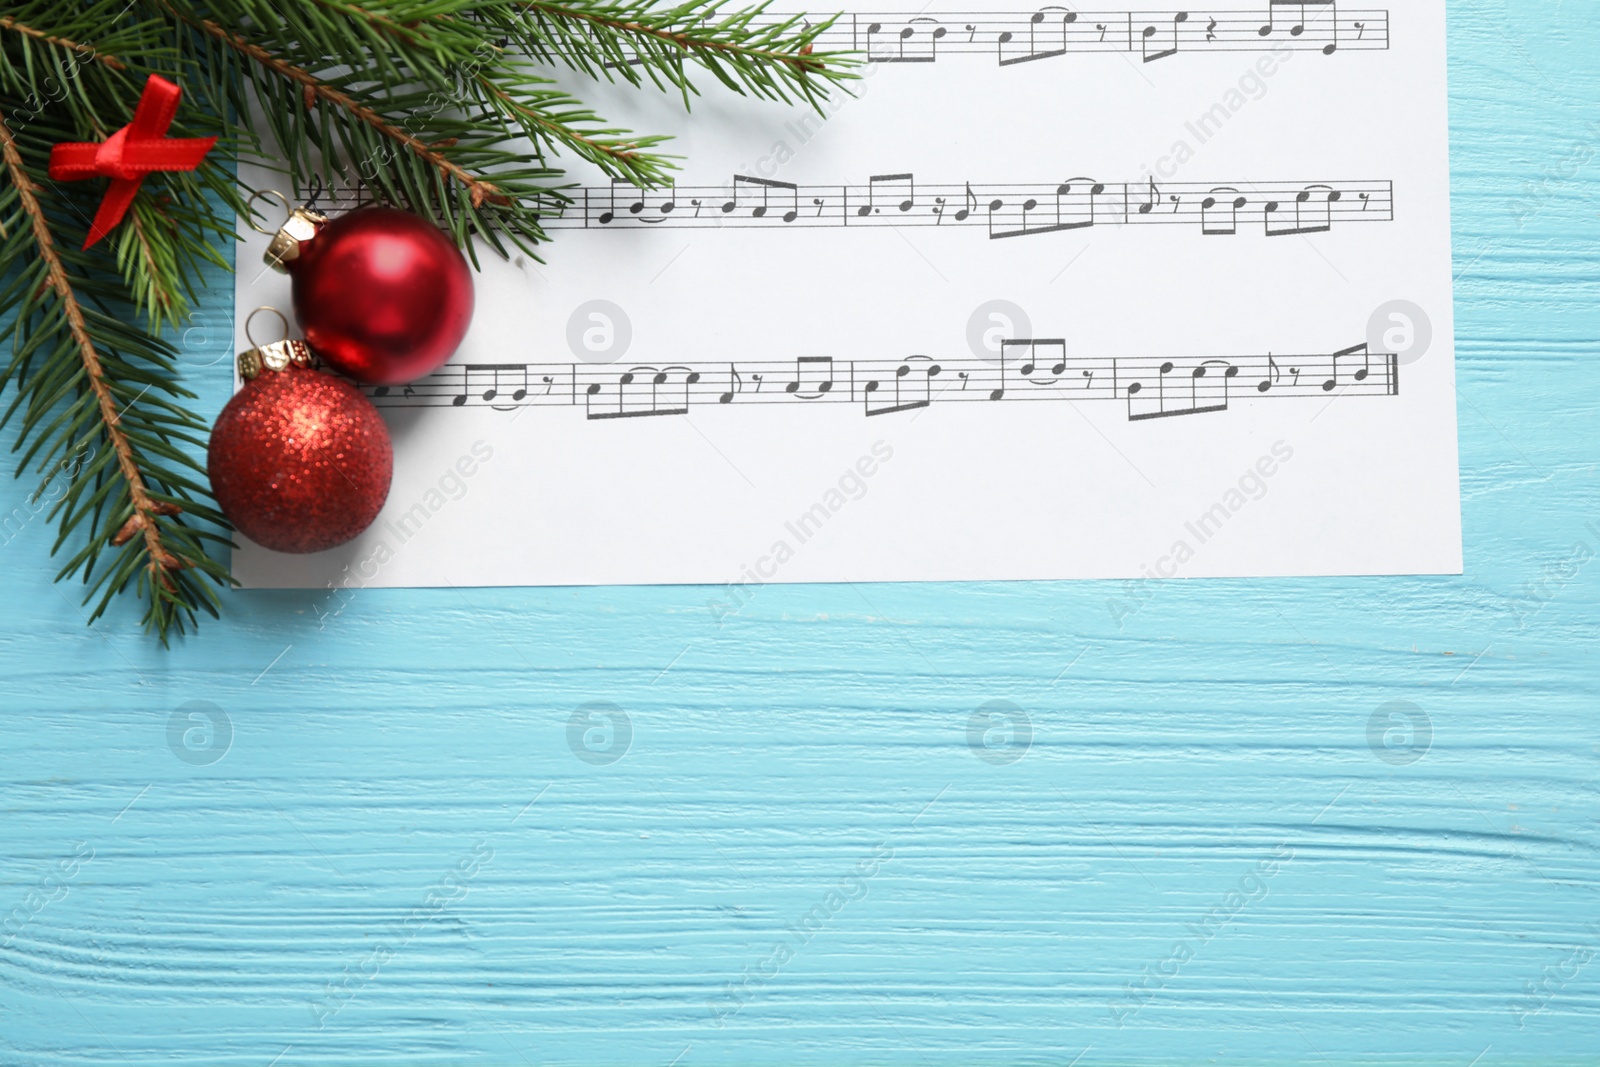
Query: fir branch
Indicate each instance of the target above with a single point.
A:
(172, 599)
(45, 244)
(8, 22)
(687, 39)
(775, 60)
(621, 158)
(478, 188)
(156, 287)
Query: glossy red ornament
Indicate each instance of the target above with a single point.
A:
(382, 294)
(300, 461)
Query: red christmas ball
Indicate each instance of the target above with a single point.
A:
(382, 295)
(300, 461)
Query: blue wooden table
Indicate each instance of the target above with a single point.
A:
(1249, 822)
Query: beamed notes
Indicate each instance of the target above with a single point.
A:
(1026, 369)
(1015, 37)
(1272, 209)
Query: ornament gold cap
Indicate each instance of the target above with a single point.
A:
(274, 355)
(299, 224)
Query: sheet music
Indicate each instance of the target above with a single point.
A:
(1057, 293)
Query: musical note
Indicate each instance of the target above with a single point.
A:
(491, 390)
(934, 36)
(1304, 220)
(1035, 49)
(820, 380)
(1072, 208)
(1150, 203)
(1298, 28)
(1055, 350)
(879, 181)
(899, 402)
(1366, 361)
(765, 185)
(632, 401)
(605, 217)
(1274, 375)
(1209, 212)
(1151, 31)
(922, 39)
(735, 385)
(970, 205)
(1345, 353)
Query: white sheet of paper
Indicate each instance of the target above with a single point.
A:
(1064, 473)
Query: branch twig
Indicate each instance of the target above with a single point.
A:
(144, 507)
(477, 187)
(621, 153)
(9, 23)
(801, 62)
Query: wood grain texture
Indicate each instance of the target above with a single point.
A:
(400, 859)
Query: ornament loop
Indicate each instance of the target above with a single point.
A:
(250, 220)
(252, 317)
(274, 355)
(299, 224)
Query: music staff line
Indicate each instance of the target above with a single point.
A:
(1056, 30)
(897, 200)
(1030, 369)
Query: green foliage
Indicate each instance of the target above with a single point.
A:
(448, 107)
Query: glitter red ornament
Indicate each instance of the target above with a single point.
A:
(300, 461)
(382, 294)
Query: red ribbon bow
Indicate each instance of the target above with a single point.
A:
(139, 148)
